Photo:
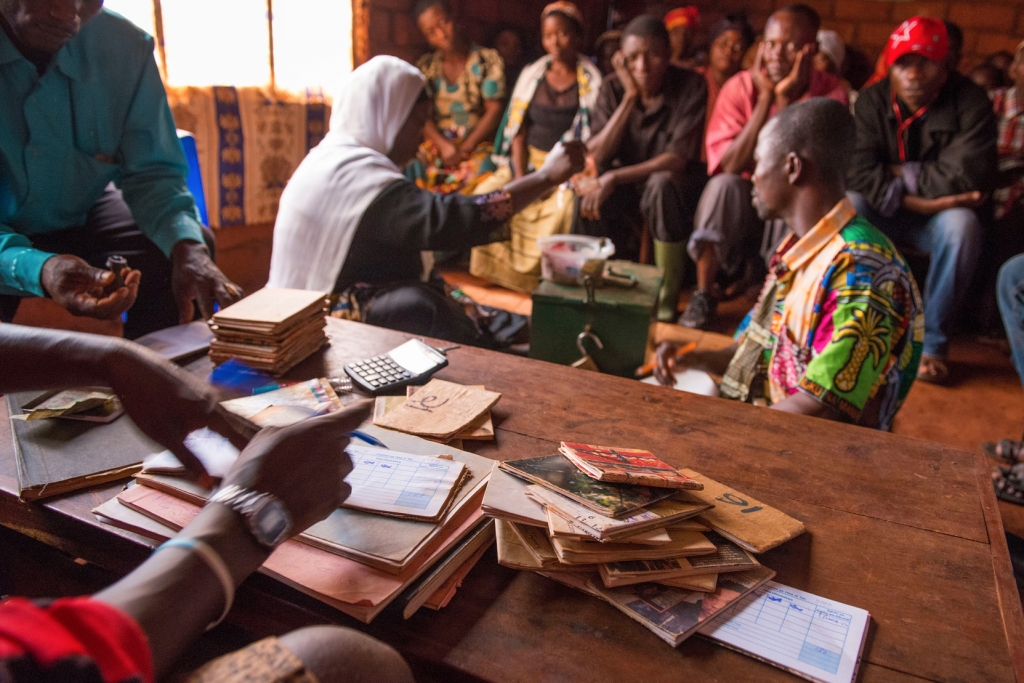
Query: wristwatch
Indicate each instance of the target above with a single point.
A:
(267, 517)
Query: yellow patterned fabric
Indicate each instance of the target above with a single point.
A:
(249, 144)
(265, 661)
(515, 263)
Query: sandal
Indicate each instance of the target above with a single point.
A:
(933, 370)
(1007, 486)
(1006, 450)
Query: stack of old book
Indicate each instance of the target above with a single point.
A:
(670, 548)
(408, 533)
(272, 329)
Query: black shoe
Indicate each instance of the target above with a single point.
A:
(700, 311)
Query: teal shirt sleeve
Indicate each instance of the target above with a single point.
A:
(153, 167)
(20, 264)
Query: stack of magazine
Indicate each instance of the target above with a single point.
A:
(619, 524)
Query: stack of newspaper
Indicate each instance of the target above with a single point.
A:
(667, 552)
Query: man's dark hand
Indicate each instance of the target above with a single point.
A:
(590, 204)
(762, 82)
(793, 86)
(80, 288)
(166, 402)
(196, 278)
(564, 160)
(303, 465)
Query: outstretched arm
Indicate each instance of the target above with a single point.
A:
(175, 594)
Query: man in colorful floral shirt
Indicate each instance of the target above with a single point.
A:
(838, 328)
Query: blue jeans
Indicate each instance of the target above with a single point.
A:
(1010, 291)
(953, 238)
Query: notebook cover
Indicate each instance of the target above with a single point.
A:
(388, 543)
(558, 474)
(270, 307)
(674, 614)
(55, 456)
(626, 466)
(179, 342)
(747, 522)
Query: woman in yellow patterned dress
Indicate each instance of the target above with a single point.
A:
(467, 84)
(552, 101)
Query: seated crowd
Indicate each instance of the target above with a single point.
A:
(737, 176)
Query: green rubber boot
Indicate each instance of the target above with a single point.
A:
(671, 258)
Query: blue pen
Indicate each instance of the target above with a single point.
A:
(363, 436)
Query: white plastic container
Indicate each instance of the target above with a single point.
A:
(566, 259)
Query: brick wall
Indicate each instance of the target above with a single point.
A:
(989, 26)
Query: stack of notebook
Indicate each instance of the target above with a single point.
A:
(409, 544)
(669, 556)
(272, 329)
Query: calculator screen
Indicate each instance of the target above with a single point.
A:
(414, 356)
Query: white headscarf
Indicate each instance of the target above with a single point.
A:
(832, 45)
(331, 189)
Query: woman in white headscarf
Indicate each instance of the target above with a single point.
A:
(350, 223)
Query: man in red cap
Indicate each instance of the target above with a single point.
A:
(924, 162)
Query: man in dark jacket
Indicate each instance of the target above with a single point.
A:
(924, 160)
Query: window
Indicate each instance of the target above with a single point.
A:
(292, 44)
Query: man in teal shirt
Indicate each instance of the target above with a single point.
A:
(83, 109)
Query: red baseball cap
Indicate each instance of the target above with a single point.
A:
(918, 36)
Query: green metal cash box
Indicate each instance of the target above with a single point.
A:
(620, 317)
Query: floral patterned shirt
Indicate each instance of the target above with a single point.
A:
(458, 106)
(848, 324)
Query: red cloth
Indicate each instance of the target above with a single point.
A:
(735, 106)
(918, 36)
(683, 16)
(72, 633)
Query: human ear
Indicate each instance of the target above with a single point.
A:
(794, 168)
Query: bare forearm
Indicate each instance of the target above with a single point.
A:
(528, 188)
(485, 127)
(921, 205)
(740, 154)
(36, 358)
(604, 144)
(803, 404)
(174, 594)
(713, 362)
(433, 134)
(519, 156)
(668, 161)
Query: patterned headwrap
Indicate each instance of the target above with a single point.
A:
(682, 16)
(563, 7)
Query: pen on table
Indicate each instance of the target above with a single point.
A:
(648, 368)
(363, 436)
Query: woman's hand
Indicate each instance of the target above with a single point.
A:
(563, 161)
(451, 156)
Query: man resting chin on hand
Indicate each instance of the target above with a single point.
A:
(84, 110)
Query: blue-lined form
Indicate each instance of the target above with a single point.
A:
(811, 636)
(400, 483)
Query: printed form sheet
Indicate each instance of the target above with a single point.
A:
(810, 636)
(400, 483)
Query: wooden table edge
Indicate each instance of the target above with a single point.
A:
(1006, 586)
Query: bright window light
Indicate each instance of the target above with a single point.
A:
(139, 12)
(216, 42)
(312, 43)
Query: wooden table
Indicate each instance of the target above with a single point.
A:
(907, 529)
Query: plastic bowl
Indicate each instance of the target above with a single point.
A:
(567, 259)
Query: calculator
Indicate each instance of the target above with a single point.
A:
(409, 363)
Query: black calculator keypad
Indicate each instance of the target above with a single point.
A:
(380, 371)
